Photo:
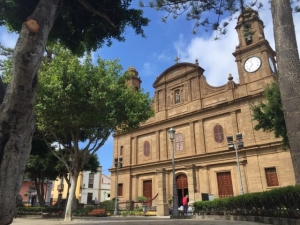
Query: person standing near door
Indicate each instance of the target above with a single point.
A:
(185, 202)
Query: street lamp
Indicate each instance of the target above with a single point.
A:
(118, 164)
(235, 145)
(175, 212)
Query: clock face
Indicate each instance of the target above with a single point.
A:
(252, 64)
(272, 66)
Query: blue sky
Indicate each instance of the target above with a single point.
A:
(154, 54)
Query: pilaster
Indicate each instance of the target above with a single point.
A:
(162, 204)
(191, 176)
(202, 148)
(192, 138)
(157, 146)
(204, 185)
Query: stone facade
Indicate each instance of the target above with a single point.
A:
(203, 116)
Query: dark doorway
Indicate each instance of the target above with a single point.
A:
(147, 191)
(224, 184)
(89, 199)
(182, 187)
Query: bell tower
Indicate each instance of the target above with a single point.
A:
(134, 81)
(254, 56)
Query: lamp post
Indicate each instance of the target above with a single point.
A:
(118, 164)
(175, 212)
(235, 145)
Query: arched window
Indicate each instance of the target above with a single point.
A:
(146, 148)
(218, 133)
(179, 141)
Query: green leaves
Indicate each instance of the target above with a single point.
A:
(79, 101)
(80, 26)
(269, 114)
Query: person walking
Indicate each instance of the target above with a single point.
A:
(96, 202)
(185, 202)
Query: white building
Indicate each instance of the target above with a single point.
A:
(94, 185)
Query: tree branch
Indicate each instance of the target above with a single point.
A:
(90, 8)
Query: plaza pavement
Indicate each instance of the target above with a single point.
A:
(126, 220)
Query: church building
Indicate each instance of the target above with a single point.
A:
(203, 116)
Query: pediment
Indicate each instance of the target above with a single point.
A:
(177, 71)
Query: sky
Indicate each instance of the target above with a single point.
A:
(152, 55)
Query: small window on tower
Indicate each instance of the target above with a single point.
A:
(177, 96)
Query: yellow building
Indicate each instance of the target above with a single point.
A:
(203, 116)
(60, 187)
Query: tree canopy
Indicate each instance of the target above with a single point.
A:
(207, 13)
(269, 114)
(82, 102)
(80, 24)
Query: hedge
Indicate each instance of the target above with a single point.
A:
(279, 202)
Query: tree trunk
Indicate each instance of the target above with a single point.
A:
(74, 178)
(288, 75)
(39, 185)
(17, 119)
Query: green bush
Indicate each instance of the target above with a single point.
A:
(278, 202)
(38, 210)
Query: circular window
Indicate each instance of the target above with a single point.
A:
(146, 148)
(218, 133)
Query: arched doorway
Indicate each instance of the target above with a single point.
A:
(182, 187)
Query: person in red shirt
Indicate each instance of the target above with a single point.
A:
(185, 202)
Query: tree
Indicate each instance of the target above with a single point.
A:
(287, 54)
(41, 166)
(80, 102)
(269, 114)
(78, 24)
(91, 165)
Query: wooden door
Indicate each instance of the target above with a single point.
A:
(182, 187)
(224, 184)
(147, 191)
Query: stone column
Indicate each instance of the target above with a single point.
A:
(162, 208)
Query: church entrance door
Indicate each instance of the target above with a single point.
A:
(224, 184)
(147, 191)
(182, 187)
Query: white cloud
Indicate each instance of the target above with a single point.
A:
(148, 69)
(215, 57)
(163, 56)
(8, 39)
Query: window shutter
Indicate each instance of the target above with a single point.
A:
(218, 133)
(146, 148)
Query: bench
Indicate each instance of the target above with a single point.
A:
(97, 212)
